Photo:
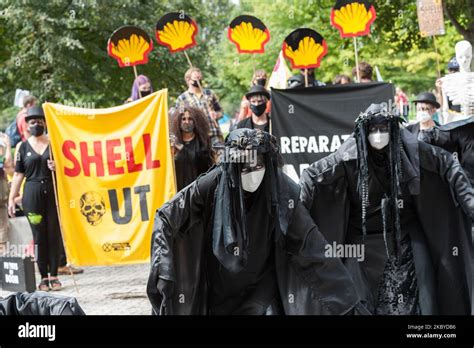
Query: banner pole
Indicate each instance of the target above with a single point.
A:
(306, 77)
(59, 216)
(356, 58)
(136, 75)
(437, 56)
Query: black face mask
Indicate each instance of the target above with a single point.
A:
(261, 82)
(258, 109)
(145, 93)
(188, 128)
(37, 130)
(195, 83)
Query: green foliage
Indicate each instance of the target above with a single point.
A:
(6, 116)
(57, 49)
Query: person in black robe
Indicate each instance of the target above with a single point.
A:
(191, 147)
(237, 241)
(457, 138)
(408, 203)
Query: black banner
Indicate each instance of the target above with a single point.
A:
(311, 123)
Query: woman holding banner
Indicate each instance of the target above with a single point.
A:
(33, 164)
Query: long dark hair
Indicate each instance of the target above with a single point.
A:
(201, 125)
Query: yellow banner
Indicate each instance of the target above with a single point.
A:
(114, 169)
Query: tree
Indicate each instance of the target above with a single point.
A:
(461, 14)
(57, 49)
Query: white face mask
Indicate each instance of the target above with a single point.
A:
(423, 116)
(378, 140)
(252, 180)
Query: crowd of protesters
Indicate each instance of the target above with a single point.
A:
(26, 172)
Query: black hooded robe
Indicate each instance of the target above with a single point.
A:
(442, 199)
(455, 137)
(306, 281)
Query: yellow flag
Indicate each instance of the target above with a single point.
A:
(114, 169)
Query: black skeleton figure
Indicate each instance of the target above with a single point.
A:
(408, 203)
(237, 241)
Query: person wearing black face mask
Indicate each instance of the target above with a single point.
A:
(33, 164)
(259, 78)
(258, 98)
(190, 145)
(204, 99)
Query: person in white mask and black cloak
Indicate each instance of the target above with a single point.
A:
(237, 242)
(408, 204)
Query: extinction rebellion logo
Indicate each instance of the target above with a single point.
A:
(108, 247)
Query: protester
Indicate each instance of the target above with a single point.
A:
(341, 80)
(259, 78)
(5, 165)
(384, 187)
(236, 241)
(63, 269)
(28, 102)
(401, 101)
(457, 138)
(204, 100)
(299, 80)
(365, 72)
(34, 164)
(426, 114)
(453, 67)
(141, 88)
(258, 98)
(191, 145)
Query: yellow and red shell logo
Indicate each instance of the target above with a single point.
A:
(249, 34)
(353, 18)
(177, 31)
(305, 48)
(130, 46)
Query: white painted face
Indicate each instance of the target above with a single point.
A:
(464, 55)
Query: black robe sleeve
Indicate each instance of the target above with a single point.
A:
(315, 283)
(39, 303)
(456, 137)
(433, 158)
(186, 215)
(444, 205)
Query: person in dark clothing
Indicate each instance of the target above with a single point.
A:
(457, 138)
(237, 241)
(258, 97)
(426, 114)
(33, 163)
(409, 204)
(190, 145)
(39, 303)
(300, 80)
